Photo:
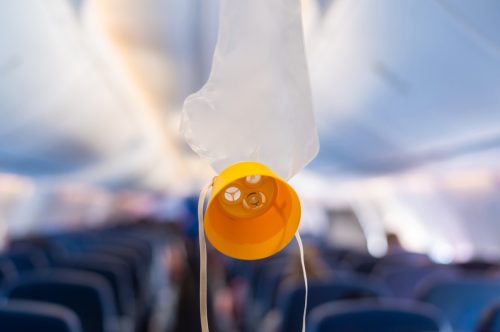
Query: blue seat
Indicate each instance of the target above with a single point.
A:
(267, 286)
(257, 274)
(477, 265)
(144, 247)
(114, 273)
(291, 304)
(65, 245)
(490, 321)
(87, 294)
(45, 245)
(76, 245)
(134, 253)
(7, 272)
(127, 255)
(30, 316)
(360, 262)
(337, 254)
(462, 300)
(135, 265)
(363, 316)
(25, 259)
(260, 269)
(404, 280)
(402, 259)
(267, 291)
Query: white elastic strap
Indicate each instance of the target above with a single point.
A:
(302, 261)
(203, 260)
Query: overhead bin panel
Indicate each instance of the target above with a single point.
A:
(64, 109)
(397, 81)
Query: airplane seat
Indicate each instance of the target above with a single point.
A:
(267, 289)
(144, 245)
(126, 269)
(337, 265)
(93, 246)
(461, 300)
(25, 259)
(87, 294)
(403, 281)
(265, 271)
(117, 278)
(140, 275)
(149, 242)
(74, 247)
(338, 254)
(32, 316)
(124, 237)
(476, 266)
(64, 245)
(370, 316)
(490, 320)
(291, 303)
(140, 253)
(119, 245)
(258, 270)
(255, 275)
(7, 272)
(401, 260)
(126, 254)
(40, 244)
(359, 262)
(80, 245)
(141, 249)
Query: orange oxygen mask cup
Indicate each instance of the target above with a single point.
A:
(252, 212)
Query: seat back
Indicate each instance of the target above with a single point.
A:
(463, 300)
(116, 277)
(404, 281)
(7, 272)
(292, 303)
(30, 316)
(25, 259)
(402, 259)
(362, 316)
(87, 294)
(490, 321)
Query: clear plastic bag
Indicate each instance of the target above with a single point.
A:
(256, 105)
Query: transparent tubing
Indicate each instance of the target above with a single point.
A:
(203, 261)
(302, 261)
